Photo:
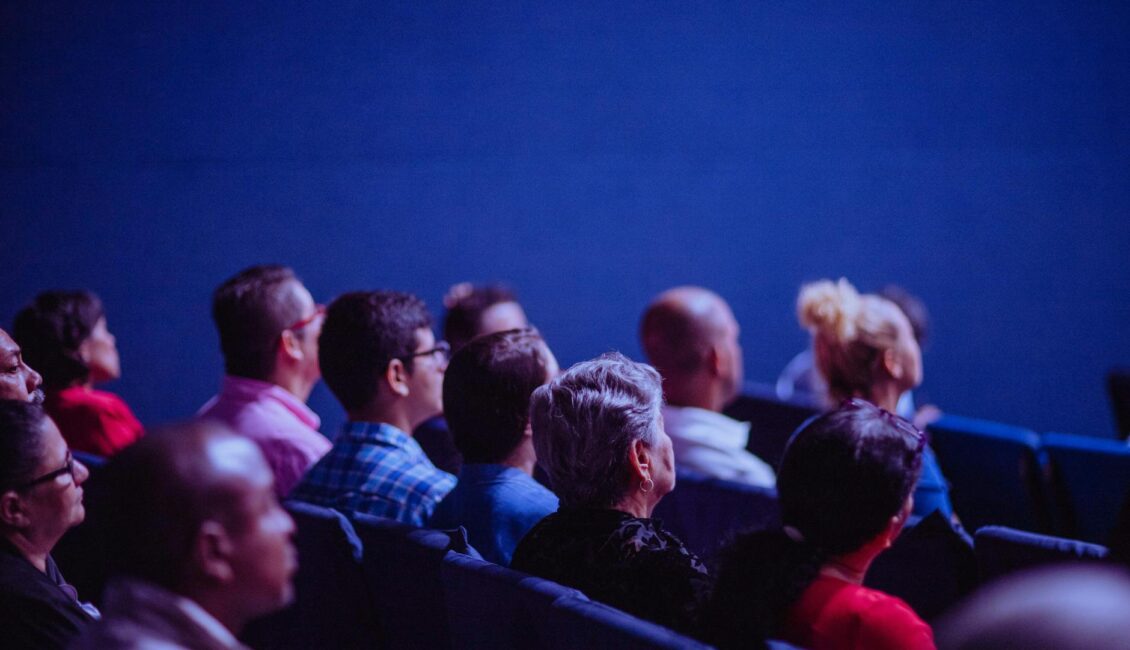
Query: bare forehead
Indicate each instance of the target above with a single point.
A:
(8, 346)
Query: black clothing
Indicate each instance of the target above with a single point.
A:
(620, 560)
(37, 609)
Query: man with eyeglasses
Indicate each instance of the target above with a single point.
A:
(268, 325)
(380, 359)
(40, 499)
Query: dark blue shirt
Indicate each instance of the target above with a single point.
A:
(497, 505)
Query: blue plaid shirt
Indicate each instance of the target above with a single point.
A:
(376, 469)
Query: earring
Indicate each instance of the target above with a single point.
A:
(646, 485)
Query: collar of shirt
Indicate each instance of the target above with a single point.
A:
(701, 425)
(245, 389)
(158, 609)
(382, 433)
(489, 472)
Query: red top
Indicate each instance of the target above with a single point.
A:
(93, 421)
(837, 615)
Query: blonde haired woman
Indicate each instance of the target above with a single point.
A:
(864, 347)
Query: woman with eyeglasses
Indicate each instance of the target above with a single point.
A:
(64, 336)
(864, 346)
(845, 488)
(40, 499)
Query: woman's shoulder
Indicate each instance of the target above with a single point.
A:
(881, 620)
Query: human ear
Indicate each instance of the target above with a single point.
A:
(290, 346)
(211, 552)
(397, 377)
(12, 511)
(892, 364)
(640, 459)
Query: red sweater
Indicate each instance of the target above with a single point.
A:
(837, 615)
(93, 421)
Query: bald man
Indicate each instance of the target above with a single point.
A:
(17, 380)
(690, 335)
(201, 545)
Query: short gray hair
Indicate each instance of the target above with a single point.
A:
(584, 423)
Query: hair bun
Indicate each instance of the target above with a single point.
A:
(829, 308)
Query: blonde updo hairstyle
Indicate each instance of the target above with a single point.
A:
(850, 333)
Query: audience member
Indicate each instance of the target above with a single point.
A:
(1069, 607)
(268, 325)
(64, 334)
(486, 399)
(201, 545)
(864, 347)
(598, 432)
(41, 499)
(845, 490)
(691, 337)
(801, 379)
(471, 311)
(382, 362)
(17, 380)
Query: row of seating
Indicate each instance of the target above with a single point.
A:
(1055, 483)
(372, 582)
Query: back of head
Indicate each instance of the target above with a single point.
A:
(50, 331)
(849, 334)
(251, 309)
(1069, 607)
(843, 477)
(486, 392)
(584, 423)
(677, 329)
(21, 444)
(157, 494)
(362, 333)
(466, 305)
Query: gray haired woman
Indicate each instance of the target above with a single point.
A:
(599, 435)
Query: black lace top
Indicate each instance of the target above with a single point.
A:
(617, 559)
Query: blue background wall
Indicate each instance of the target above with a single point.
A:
(591, 155)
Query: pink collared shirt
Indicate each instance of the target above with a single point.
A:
(285, 429)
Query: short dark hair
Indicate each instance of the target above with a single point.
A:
(843, 476)
(251, 309)
(463, 320)
(155, 496)
(21, 444)
(363, 332)
(486, 392)
(50, 331)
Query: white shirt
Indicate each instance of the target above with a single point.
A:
(714, 444)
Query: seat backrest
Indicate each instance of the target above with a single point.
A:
(332, 606)
(489, 606)
(1001, 550)
(402, 566)
(704, 512)
(1118, 386)
(772, 420)
(931, 566)
(995, 470)
(1089, 478)
(581, 623)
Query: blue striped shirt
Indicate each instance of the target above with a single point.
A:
(376, 469)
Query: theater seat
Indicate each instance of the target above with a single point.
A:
(1001, 550)
(1090, 478)
(402, 566)
(1118, 387)
(772, 420)
(704, 512)
(576, 622)
(995, 472)
(333, 607)
(489, 606)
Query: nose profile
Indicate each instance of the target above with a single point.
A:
(34, 379)
(81, 473)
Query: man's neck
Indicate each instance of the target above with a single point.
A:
(292, 383)
(698, 391)
(523, 457)
(382, 414)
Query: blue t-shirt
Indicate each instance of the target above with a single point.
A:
(497, 505)
(933, 491)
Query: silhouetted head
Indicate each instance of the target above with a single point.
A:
(64, 335)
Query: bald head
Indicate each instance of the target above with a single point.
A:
(690, 335)
(165, 486)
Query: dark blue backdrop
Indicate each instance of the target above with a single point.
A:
(591, 155)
